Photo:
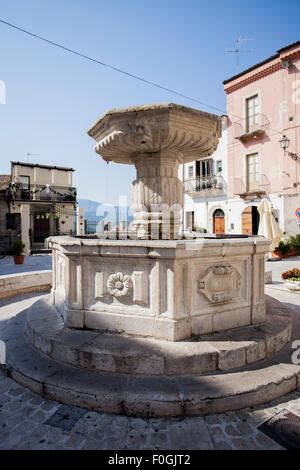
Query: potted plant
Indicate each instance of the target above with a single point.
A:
(17, 249)
(295, 245)
(292, 279)
(282, 250)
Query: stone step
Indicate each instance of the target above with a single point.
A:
(104, 352)
(147, 396)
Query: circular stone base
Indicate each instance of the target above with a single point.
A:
(106, 352)
(145, 395)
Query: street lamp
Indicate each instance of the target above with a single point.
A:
(284, 142)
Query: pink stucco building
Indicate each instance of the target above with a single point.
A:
(263, 106)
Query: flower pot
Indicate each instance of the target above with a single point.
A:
(277, 254)
(294, 252)
(19, 259)
(292, 285)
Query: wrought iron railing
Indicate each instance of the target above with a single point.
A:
(38, 192)
(259, 184)
(255, 123)
(204, 183)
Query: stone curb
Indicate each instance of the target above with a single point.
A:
(104, 352)
(20, 283)
(148, 396)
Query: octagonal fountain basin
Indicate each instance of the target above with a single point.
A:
(165, 289)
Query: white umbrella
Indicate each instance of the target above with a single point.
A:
(268, 227)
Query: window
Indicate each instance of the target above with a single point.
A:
(24, 181)
(13, 221)
(252, 114)
(191, 172)
(219, 166)
(253, 176)
(204, 167)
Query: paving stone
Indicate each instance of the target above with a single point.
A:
(222, 445)
(16, 391)
(213, 419)
(159, 439)
(39, 416)
(92, 444)
(23, 426)
(49, 405)
(252, 444)
(265, 442)
(227, 417)
(36, 400)
(243, 415)
(245, 428)
(217, 434)
(159, 424)
(232, 431)
(65, 417)
(240, 443)
(75, 442)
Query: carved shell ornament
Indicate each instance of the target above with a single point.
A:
(119, 285)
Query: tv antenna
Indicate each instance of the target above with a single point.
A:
(30, 155)
(238, 49)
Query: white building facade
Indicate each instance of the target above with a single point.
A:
(205, 190)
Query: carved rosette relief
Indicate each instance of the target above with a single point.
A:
(220, 284)
(119, 285)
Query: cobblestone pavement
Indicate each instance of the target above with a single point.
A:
(28, 421)
(31, 263)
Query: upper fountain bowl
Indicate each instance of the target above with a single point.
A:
(164, 128)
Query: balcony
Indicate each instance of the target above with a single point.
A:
(44, 193)
(251, 128)
(249, 189)
(205, 186)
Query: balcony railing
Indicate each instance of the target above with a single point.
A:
(244, 187)
(213, 184)
(252, 127)
(45, 193)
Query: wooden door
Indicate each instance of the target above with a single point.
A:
(219, 225)
(41, 228)
(219, 221)
(247, 221)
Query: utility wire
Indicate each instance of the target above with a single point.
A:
(136, 77)
(116, 69)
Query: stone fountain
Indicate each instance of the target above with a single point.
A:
(154, 324)
(158, 285)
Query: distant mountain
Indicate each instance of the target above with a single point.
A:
(97, 211)
(89, 206)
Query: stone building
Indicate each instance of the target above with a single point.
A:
(36, 201)
(205, 190)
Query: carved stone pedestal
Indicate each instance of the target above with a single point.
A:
(168, 290)
(156, 139)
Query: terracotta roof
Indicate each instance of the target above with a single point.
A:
(275, 56)
(4, 181)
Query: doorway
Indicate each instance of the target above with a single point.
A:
(250, 220)
(190, 220)
(219, 221)
(41, 227)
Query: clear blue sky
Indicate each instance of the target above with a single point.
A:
(53, 97)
